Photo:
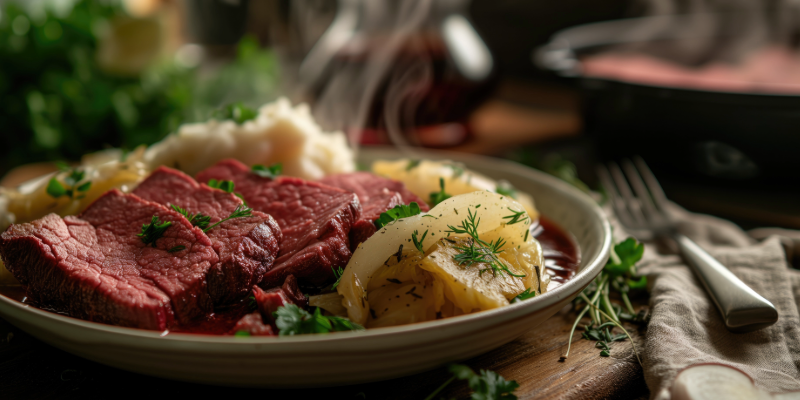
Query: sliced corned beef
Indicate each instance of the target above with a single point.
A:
(94, 267)
(376, 194)
(269, 300)
(247, 247)
(315, 220)
(254, 325)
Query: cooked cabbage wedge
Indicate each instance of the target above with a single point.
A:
(421, 177)
(389, 281)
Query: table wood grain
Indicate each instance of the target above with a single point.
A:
(30, 368)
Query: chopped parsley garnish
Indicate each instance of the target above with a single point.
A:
(479, 251)
(488, 385)
(72, 186)
(270, 172)
(240, 211)
(515, 217)
(527, 294)
(440, 196)
(237, 112)
(199, 220)
(412, 164)
(153, 231)
(293, 320)
(225, 186)
(418, 242)
(397, 212)
(337, 272)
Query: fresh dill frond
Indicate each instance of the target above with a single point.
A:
(199, 220)
(516, 216)
(153, 231)
(479, 251)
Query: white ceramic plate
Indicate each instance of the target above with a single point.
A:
(345, 357)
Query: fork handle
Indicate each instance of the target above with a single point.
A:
(742, 309)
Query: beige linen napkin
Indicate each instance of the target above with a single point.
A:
(685, 327)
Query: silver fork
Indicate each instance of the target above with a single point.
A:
(642, 212)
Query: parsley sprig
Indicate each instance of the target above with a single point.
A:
(270, 172)
(441, 195)
(293, 320)
(618, 275)
(225, 186)
(479, 251)
(487, 385)
(73, 186)
(153, 231)
(397, 212)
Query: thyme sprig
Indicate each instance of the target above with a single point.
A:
(619, 275)
(479, 251)
(153, 231)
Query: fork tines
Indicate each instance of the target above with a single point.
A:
(637, 198)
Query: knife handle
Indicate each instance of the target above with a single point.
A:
(742, 309)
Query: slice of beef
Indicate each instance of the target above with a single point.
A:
(269, 300)
(315, 220)
(247, 247)
(376, 194)
(254, 325)
(94, 267)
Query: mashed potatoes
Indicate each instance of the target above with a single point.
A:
(280, 133)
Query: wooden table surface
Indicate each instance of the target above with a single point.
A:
(31, 369)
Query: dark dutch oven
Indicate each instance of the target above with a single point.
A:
(723, 137)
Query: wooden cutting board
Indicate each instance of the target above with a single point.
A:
(30, 368)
